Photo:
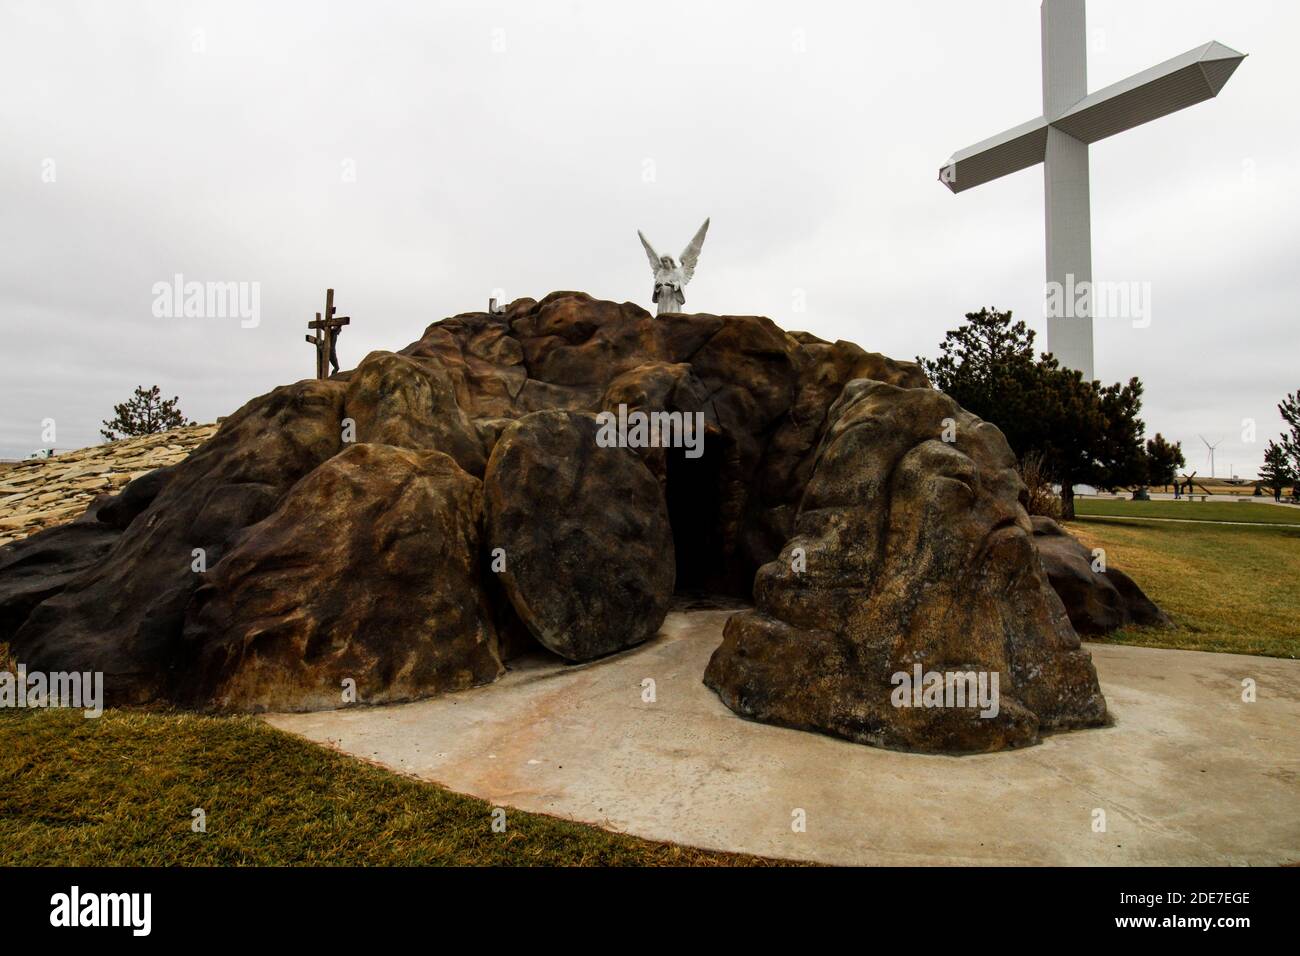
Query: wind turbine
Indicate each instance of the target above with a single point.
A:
(1211, 449)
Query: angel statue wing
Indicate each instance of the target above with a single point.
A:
(692, 253)
(655, 265)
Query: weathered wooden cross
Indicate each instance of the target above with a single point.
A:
(327, 330)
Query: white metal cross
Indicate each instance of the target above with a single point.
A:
(1059, 139)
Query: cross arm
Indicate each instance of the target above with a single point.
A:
(1183, 81)
(998, 156)
(1176, 84)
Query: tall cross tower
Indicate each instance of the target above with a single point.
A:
(1059, 139)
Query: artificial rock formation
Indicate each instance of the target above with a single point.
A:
(367, 570)
(586, 550)
(911, 554)
(1098, 601)
(124, 614)
(42, 565)
(412, 524)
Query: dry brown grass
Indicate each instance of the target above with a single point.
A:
(1042, 499)
(1229, 588)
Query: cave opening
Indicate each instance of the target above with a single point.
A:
(694, 497)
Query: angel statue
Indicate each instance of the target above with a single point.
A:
(670, 278)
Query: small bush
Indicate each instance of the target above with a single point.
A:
(1043, 500)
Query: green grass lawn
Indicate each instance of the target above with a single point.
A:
(1189, 510)
(120, 790)
(1228, 587)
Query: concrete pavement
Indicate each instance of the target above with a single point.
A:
(1188, 774)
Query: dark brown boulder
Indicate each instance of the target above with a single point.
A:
(123, 614)
(42, 565)
(369, 569)
(393, 400)
(584, 530)
(118, 511)
(910, 553)
(822, 371)
(1100, 601)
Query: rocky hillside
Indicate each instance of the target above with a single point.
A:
(45, 492)
(405, 528)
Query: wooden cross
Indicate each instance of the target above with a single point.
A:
(327, 330)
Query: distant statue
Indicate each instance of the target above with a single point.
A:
(670, 278)
(334, 348)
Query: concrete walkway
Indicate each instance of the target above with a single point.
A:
(1188, 774)
(1235, 524)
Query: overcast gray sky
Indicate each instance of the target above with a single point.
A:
(417, 157)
